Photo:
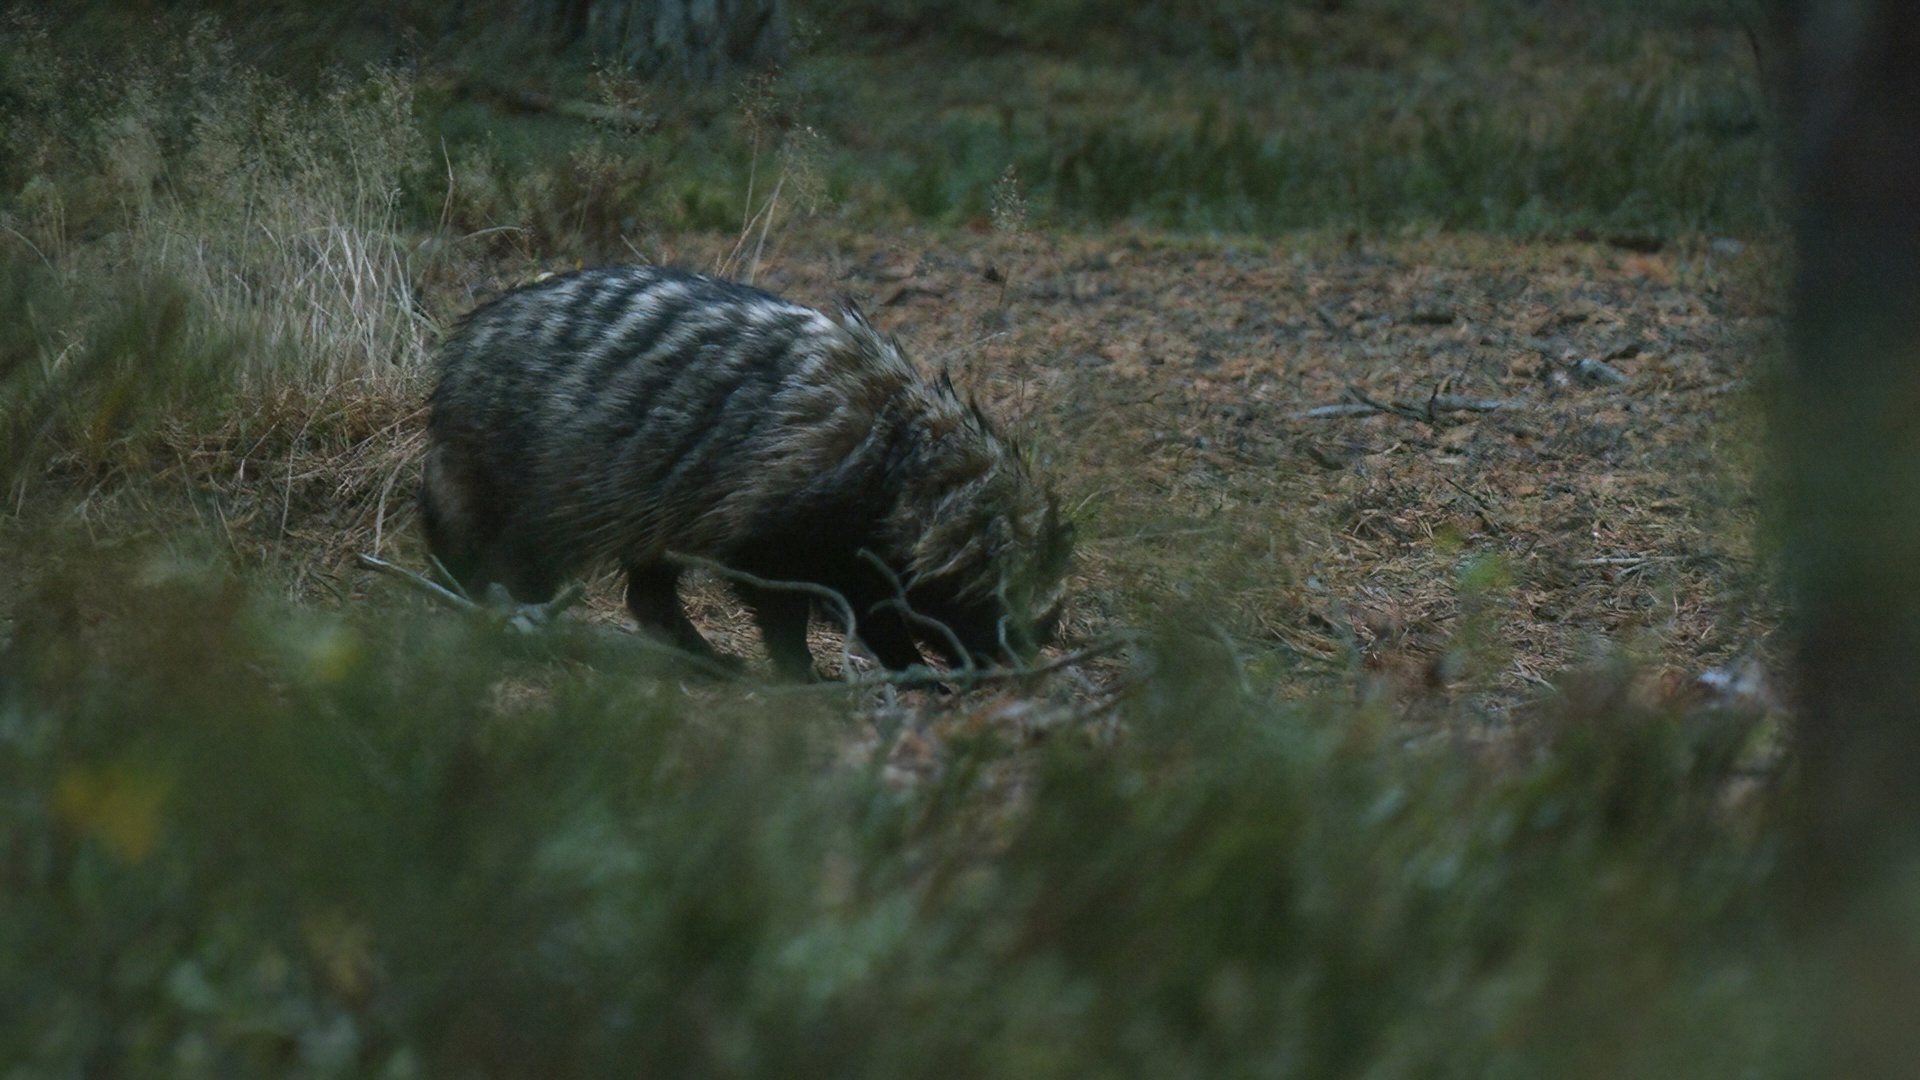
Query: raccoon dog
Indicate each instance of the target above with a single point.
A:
(622, 414)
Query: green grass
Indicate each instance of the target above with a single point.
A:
(1657, 146)
(1670, 143)
(1372, 118)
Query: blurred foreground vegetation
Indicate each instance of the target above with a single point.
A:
(242, 836)
(247, 834)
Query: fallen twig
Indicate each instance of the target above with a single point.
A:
(422, 584)
(523, 617)
(1345, 408)
(1480, 506)
(1428, 412)
(499, 604)
(899, 603)
(531, 618)
(820, 592)
(1596, 372)
(919, 676)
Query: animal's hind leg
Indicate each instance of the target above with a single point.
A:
(653, 595)
(886, 633)
(782, 618)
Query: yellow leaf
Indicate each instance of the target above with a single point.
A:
(343, 949)
(118, 805)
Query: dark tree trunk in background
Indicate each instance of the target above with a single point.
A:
(1849, 431)
(1852, 412)
(694, 39)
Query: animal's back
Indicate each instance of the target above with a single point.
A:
(616, 413)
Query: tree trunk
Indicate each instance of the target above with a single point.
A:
(1852, 432)
(692, 39)
(1849, 434)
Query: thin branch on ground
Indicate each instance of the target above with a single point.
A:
(920, 677)
(523, 617)
(820, 592)
(899, 603)
(1480, 506)
(1427, 412)
(446, 577)
(425, 586)
(499, 604)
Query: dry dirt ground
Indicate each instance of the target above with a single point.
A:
(1541, 454)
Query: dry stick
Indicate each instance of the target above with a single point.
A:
(807, 588)
(534, 614)
(430, 588)
(446, 576)
(969, 678)
(1462, 403)
(1480, 506)
(899, 603)
(964, 678)
(1345, 408)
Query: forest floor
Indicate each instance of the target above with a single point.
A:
(1432, 473)
(1591, 491)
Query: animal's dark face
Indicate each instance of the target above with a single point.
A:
(1018, 618)
(990, 630)
(976, 626)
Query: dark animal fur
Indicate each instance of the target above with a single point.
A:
(625, 413)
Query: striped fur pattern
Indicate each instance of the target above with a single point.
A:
(619, 414)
